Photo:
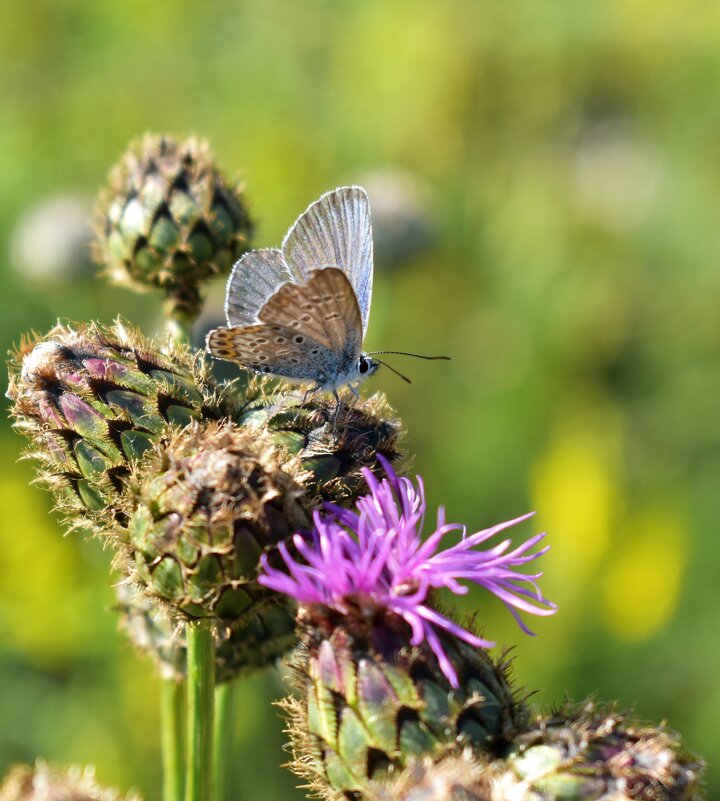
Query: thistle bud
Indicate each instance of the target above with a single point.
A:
(45, 783)
(332, 449)
(591, 752)
(93, 400)
(372, 706)
(250, 644)
(202, 509)
(577, 754)
(170, 220)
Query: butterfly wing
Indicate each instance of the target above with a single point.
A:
(335, 231)
(254, 278)
(271, 349)
(325, 307)
(310, 331)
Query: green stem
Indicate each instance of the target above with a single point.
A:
(225, 706)
(179, 329)
(172, 713)
(201, 685)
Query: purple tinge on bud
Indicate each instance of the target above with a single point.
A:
(374, 559)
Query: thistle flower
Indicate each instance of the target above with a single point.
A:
(170, 220)
(386, 679)
(374, 560)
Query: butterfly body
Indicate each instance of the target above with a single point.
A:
(301, 312)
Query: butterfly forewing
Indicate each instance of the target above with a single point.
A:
(335, 231)
(255, 277)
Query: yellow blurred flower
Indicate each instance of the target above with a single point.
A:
(642, 584)
(574, 488)
(47, 609)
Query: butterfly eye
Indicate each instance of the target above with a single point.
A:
(363, 366)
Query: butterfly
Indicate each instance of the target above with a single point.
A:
(301, 311)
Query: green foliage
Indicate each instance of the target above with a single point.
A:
(570, 154)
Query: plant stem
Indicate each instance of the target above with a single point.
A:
(172, 713)
(225, 705)
(201, 696)
(179, 329)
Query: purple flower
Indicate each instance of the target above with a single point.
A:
(375, 559)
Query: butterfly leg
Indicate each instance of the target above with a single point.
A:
(310, 392)
(338, 403)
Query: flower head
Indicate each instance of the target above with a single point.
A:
(374, 559)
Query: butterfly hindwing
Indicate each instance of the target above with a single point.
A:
(305, 331)
(335, 231)
(273, 349)
(324, 307)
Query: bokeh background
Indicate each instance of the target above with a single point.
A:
(545, 179)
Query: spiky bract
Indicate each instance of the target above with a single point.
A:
(169, 219)
(454, 777)
(372, 706)
(93, 399)
(202, 508)
(45, 783)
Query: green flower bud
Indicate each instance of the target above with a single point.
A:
(94, 399)
(170, 220)
(331, 451)
(595, 753)
(371, 707)
(201, 509)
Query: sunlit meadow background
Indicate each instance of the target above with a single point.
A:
(559, 238)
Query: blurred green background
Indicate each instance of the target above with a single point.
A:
(545, 179)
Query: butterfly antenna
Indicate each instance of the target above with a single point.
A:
(393, 370)
(405, 353)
